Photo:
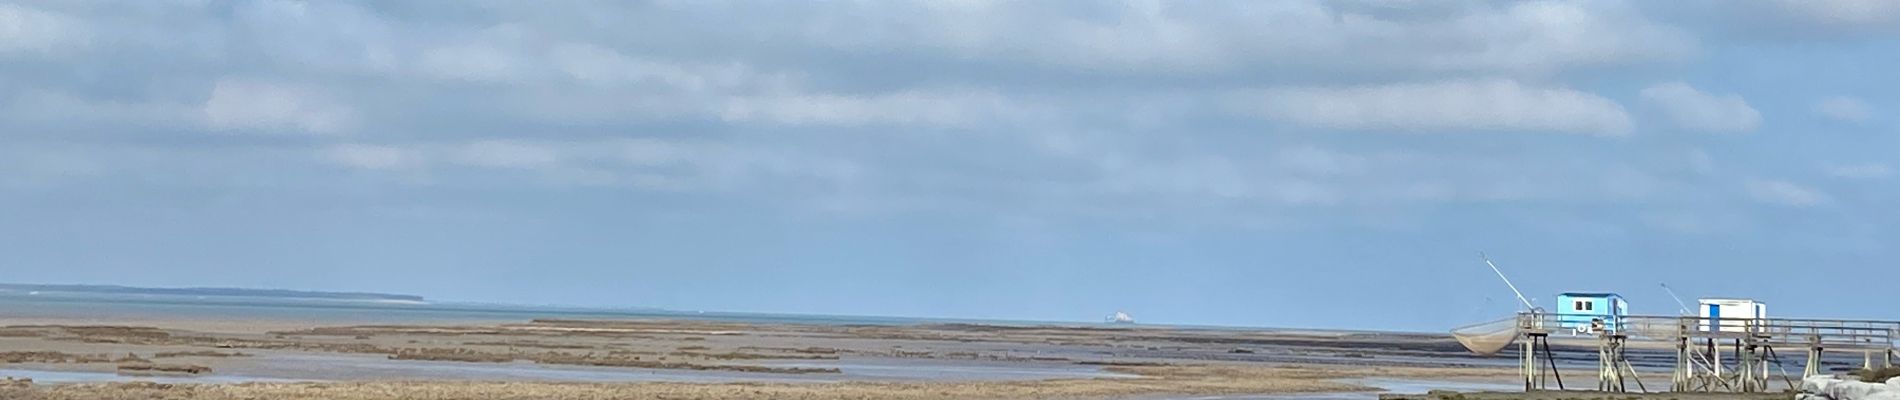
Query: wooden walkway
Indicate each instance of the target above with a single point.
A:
(1728, 355)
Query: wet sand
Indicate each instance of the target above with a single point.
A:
(688, 359)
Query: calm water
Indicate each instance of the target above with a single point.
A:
(1404, 386)
(105, 307)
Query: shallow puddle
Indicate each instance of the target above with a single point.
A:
(1387, 385)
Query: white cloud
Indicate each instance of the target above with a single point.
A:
(1307, 176)
(509, 154)
(27, 29)
(271, 108)
(1860, 171)
(1785, 193)
(536, 67)
(1214, 37)
(324, 36)
(596, 65)
(370, 156)
(1882, 14)
(1546, 36)
(1698, 222)
(1212, 179)
(653, 164)
(1695, 110)
(1844, 109)
(1449, 106)
(916, 107)
(531, 100)
(1317, 161)
(479, 62)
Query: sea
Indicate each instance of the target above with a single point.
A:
(30, 305)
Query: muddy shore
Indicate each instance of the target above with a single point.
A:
(687, 359)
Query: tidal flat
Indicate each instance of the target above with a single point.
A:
(676, 358)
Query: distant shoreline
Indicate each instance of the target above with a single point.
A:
(211, 292)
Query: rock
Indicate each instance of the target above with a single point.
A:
(1856, 390)
(1817, 384)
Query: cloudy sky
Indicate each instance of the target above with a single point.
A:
(1279, 163)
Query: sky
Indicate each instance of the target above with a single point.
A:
(1336, 164)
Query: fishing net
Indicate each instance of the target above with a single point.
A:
(1487, 338)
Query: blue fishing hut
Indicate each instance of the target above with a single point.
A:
(1579, 310)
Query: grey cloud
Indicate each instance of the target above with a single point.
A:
(1781, 21)
(307, 127)
(24, 29)
(506, 59)
(979, 104)
(246, 105)
(1850, 14)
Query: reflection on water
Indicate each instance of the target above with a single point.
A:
(1302, 396)
(1386, 385)
(942, 370)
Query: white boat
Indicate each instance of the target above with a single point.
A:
(1121, 318)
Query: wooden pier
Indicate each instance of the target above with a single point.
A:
(1712, 355)
(1572, 395)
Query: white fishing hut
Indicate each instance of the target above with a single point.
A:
(1730, 315)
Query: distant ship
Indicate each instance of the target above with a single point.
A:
(1120, 318)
